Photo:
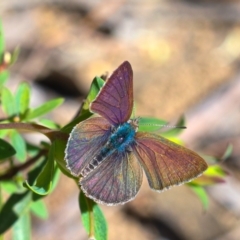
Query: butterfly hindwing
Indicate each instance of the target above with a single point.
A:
(115, 181)
(85, 141)
(115, 100)
(165, 163)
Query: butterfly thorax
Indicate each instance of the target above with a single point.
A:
(121, 140)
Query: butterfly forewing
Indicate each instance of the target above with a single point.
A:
(86, 141)
(165, 163)
(115, 181)
(115, 100)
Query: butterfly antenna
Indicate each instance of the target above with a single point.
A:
(163, 126)
(174, 126)
(168, 126)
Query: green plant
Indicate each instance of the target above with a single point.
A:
(44, 163)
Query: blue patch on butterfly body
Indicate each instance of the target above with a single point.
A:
(122, 138)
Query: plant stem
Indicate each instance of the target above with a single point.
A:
(14, 170)
(32, 127)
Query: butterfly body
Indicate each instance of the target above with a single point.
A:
(109, 154)
(122, 138)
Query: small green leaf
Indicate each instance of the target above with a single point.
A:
(8, 102)
(6, 150)
(22, 228)
(96, 85)
(201, 193)
(44, 109)
(86, 212)
(4, 132)
(20, 146)
(56, 177)
(60, 146)
(44, 180)
(215, 171)
(22, 98)
(34, 173)
(15, 55)
(9, 187)
(48, 123)
(100, 224)
(92, 217)
(39, 209)
(150, 124)
(227, 153)
(16, 205)
(4, 75)
(84, 112)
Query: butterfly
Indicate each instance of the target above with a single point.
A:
(109, 154)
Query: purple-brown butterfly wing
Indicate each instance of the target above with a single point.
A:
(116, 180)
(115, 100)
(165, 163)
(86, 141)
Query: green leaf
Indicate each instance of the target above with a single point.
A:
(48, 123)
(22, 98)
(56, 177)
(201, 193)
(100, 224)
(15, 55)
(8, 102)
(215, 171)
(39, 209)
(44, 180)
(9, 187)
(4, 75)
(6, 150)
(227, 153)
(96, 85)
(92, 217)
(2, 42)
(150, 124)
(4, 132)
(16, 205)
(22, 228)
(44, 109)
(34, 173)
(60, 146)
(20, 146)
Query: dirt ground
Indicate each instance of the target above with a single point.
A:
(185, 57)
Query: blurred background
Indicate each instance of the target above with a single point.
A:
(185, 56)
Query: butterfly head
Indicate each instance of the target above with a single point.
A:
(134, 123)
